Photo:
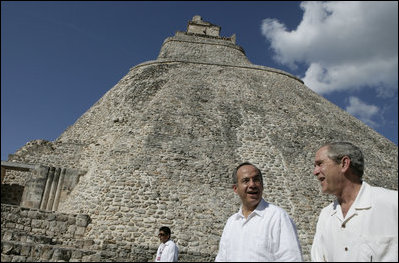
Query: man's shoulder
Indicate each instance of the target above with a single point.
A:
(382, 190)
(234, 216)
(385, 195)
(170, 244)
(275, 209)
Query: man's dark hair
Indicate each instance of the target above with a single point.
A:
(234, 176)
(165, 229)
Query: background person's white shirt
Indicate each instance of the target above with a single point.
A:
(369, 232)
(167, 252)
(268, 234)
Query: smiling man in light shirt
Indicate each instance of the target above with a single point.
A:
(362, 223)
(260, 231)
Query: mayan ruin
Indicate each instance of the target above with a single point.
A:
(158, 149)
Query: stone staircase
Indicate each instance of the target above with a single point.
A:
(33, 235)
(37, 235)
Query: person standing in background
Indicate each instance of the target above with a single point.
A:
(167, 250)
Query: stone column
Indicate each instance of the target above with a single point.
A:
(53, 189)
(59, 189)
(46, 194)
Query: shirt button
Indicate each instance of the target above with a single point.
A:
(346, 249)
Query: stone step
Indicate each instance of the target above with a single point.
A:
(22, 236)
(26, 237)
(13, 251)
(51, 224)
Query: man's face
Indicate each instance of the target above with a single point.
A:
(249, 186)
(163, 237)
(328, 172)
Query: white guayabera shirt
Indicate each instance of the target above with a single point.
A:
(369, 232)
(167, 252)
(268, 234)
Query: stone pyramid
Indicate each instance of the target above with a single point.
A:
(160, 146)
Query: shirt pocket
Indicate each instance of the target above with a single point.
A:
(263, 247)
(379, 248)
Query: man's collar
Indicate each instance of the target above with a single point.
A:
(259, 210)
(362, 201)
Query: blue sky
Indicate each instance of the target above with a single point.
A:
(59, 58)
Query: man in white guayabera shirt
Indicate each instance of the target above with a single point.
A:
(260, 231)
(167, 250)
(362, 223)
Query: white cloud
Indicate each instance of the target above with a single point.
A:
(346, 45)
(362, 111)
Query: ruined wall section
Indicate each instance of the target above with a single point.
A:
(49, 153)
(42, 152)
(213, 50)
(154, 158)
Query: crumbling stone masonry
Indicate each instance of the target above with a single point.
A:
(159, 148)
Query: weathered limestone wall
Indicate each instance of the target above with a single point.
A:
(49, 153)
(50, 224)
(36, 235)
(197, 26)
(42, 187)
(192, 47)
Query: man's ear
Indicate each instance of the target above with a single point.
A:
(345, 163)
(235, 188)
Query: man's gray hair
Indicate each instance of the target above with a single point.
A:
(337, 150)
(234, 175)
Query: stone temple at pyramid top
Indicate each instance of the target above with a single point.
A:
(198, 26)
(202, 43)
